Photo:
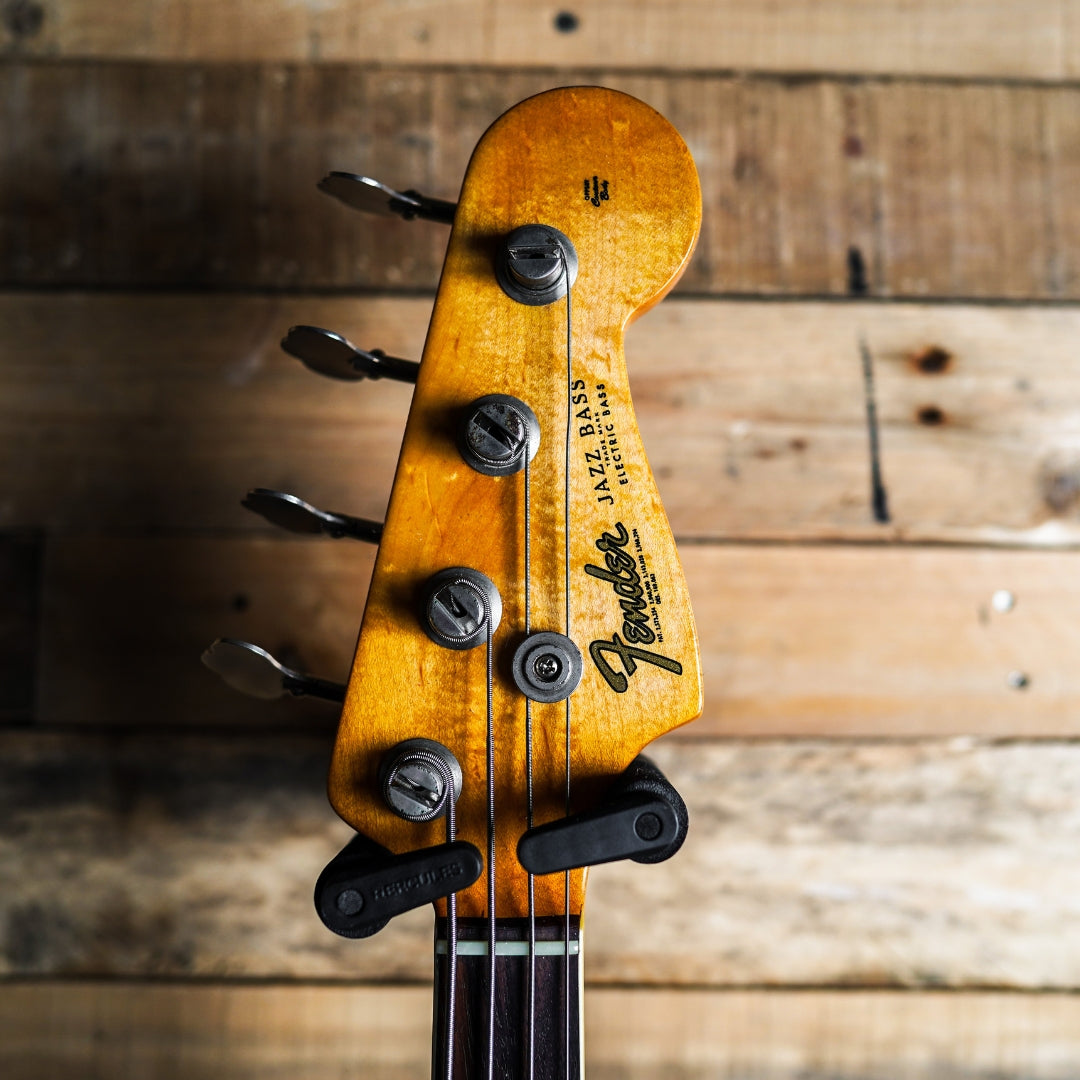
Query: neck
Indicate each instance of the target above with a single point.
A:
(548, 1048)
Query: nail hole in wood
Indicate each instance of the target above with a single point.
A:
(932, 360)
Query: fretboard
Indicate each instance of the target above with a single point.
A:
(556, 1028)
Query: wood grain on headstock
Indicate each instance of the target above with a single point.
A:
(536, 164)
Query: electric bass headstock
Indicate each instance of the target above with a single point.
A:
(527, 630)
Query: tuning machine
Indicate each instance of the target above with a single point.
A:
(253, 671)
(335, 356)
(372, 197)
(293, 513)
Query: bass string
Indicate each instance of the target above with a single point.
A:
(451, 921)
(531, 1002)
(566, 570)
(491, 847)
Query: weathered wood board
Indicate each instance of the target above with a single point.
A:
(131, 1031)
(929, 863)
(846, 907)
(202, 175)
(128, 412)
(1002, 38)
(796, 640)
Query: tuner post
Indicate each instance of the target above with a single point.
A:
(415, 777)
(495, 432)
(536, 265)
(460, 604)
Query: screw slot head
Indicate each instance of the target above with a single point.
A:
(547, 667)
(493, 436)
(535, 264)
(454, 613)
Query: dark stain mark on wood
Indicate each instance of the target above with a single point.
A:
(932, 360)
(798, 444)
(747, 169)
(856, 271)
(853, 146)
(22, 18)
(930, 415)
(20, 587)
(878, 495)
(566, 22)
(1060, 486)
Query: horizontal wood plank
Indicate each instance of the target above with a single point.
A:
(933, 864)
(147, 174)
(795, 640)
(130, 1031)
(156, 413)
(982, 38)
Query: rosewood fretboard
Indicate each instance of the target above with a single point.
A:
(511, 1042)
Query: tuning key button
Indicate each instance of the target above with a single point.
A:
(493, 437)
(372, 197)
(253, 671)
(292, 513)
(334, 356)
(460, 602)
(534, 264)
(414, 777)
(547, 667)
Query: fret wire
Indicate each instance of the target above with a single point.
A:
(566, 570)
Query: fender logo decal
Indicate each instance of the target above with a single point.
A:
(620, 571)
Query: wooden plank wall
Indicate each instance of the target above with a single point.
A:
(881, 877)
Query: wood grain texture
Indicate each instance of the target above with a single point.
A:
(202, 175)
(796, 640)
(124, 619)
(982, 38)
(933, 864)
(156, 413)
(130, 1031)
(594, 507)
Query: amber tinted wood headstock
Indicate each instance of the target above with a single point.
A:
(614, 177)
